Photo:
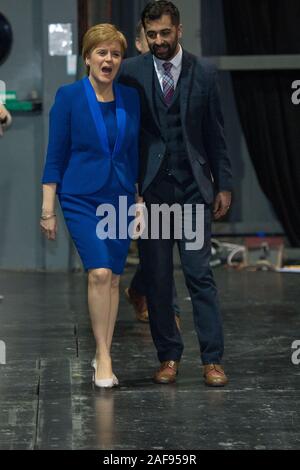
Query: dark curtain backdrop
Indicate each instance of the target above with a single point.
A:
(83, 22)
(125, 14)
(270, 121)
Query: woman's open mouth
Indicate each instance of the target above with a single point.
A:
(106, 70)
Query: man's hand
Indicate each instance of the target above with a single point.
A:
(3, 114)
(222, 204)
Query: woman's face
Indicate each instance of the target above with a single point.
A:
(104, 61)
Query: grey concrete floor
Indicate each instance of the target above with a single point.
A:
(47, 400)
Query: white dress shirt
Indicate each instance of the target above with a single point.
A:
(175, 70)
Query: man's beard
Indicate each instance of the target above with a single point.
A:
(166, 53)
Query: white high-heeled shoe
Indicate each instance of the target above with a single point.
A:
(94, 366)
(103, 383)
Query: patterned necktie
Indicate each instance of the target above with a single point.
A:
(168, 83)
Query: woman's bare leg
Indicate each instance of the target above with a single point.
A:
(114, 306)
(99, 300)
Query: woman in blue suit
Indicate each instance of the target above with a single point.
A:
(92, 159)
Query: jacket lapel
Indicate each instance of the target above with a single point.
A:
(121, 119)
(98, 117)
(149, 72)
(185, 85)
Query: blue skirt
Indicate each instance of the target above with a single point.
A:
(85, 226)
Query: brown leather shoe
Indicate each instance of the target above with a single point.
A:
(167, 372)
(139, 304)
(214, 375)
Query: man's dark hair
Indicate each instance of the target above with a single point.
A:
(138, 30)
(155, 9)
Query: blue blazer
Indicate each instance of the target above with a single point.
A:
(79, 159)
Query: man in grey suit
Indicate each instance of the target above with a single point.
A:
(183, 161)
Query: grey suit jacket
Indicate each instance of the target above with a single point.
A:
(202, 123)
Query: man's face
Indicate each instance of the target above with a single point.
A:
(162, 37)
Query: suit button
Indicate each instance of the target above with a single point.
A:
(160, 156)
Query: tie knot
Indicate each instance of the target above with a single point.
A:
(167, 66)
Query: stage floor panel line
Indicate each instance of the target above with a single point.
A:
(47, 400)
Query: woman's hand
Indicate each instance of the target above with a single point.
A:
(48, 220)
(139, 199)
(139, 221)
(49, 227)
